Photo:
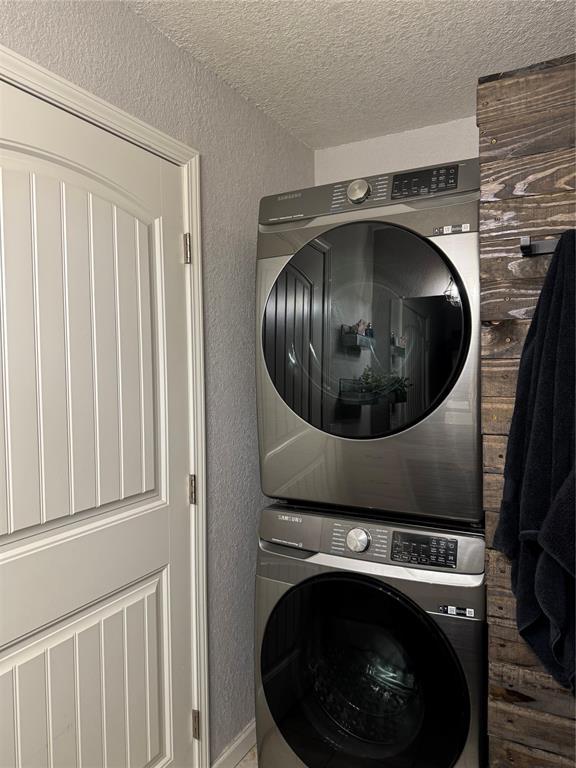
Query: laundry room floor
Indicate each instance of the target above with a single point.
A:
(250, 761)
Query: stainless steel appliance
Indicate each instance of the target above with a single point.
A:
(370, 643)
(368, 344)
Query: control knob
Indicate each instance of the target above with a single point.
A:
(358, 191)
(358, 540)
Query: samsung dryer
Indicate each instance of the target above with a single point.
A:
(370, 644)
(368, 344)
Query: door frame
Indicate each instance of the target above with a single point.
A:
(40, 82)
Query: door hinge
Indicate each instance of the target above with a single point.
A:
(187, 248)
(196, 724)
(192, 489)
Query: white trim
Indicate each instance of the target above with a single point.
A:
(239, 748)
(31, 77)
(198, 531)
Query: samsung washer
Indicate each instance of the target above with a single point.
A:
(368, 344)
(370, 644)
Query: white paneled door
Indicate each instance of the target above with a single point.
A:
(95, 578)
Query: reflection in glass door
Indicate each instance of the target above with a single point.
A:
(293, 333)
(365, 330)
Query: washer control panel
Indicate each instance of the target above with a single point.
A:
(417, 549)
(371, 540)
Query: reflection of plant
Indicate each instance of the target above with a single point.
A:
(401, 384)
(371, 381)
(384, 384)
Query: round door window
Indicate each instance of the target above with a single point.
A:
(366, 330)
(356, 676)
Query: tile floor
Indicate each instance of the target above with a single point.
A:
(249, 761)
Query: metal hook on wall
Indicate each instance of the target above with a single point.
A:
(531, 247)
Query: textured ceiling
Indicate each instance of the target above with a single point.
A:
(335, 71)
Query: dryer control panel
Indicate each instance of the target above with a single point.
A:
(396, 545)
(426, 182)
(371, 192)
(417, 549)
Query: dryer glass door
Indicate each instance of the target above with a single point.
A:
(366, 330)
(356, 676)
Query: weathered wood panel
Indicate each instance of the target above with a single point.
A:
(498, 570)
(510, 283)
(501, 604)
(529, 688)
(540, 730)
(493, 485)
(537, 216)
(503, 339)
(503, 260)
(496, 415)
(527, 134)
(507, 647)
(546, 89)
(517, 299)
(499, 377)
(494, 453)
(506, 754)
(545, 174)
(528, 172)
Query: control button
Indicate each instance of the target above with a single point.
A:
(358, 191)
(358, 540)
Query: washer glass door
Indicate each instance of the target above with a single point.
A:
(366, 330)
(356, 676)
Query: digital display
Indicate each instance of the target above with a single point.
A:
(415, 549)
(426, 182)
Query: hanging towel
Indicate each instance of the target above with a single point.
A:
(536, 524)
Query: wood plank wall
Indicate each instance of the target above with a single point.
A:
(527, 162)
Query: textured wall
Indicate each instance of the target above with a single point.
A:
(107, 49)
(456, 140)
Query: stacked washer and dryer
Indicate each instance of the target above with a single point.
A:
(370, 602)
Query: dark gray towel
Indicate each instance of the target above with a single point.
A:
(536, 525)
